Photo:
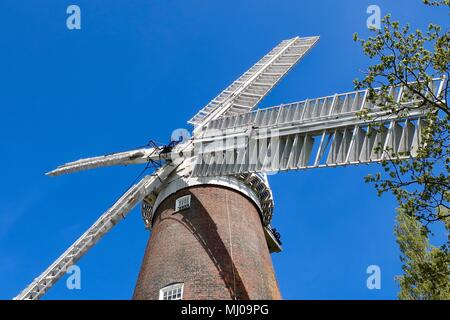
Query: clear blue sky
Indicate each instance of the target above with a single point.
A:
(136, 71)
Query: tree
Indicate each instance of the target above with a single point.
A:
(411, 60)
(425, 267)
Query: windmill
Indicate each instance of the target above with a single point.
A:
(208, 202)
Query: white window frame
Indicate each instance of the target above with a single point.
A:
(172, 292)
(183, 202)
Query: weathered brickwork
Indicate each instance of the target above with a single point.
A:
(216, 248)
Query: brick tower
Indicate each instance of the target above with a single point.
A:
(216, 247)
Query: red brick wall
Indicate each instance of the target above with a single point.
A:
(193, 246)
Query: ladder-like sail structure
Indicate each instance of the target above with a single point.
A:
(315, 133)
(105, 223)
(136, 156)
(159, 154)
(247, 91)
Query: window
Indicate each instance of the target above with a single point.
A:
(172, 292)
(183, 202)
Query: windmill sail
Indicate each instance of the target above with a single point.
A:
(247, 91)
(105, 223)
(121, 158)
(321, 132)
(136, 156)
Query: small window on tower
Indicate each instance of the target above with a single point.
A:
(183, 202)
(172, 292)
